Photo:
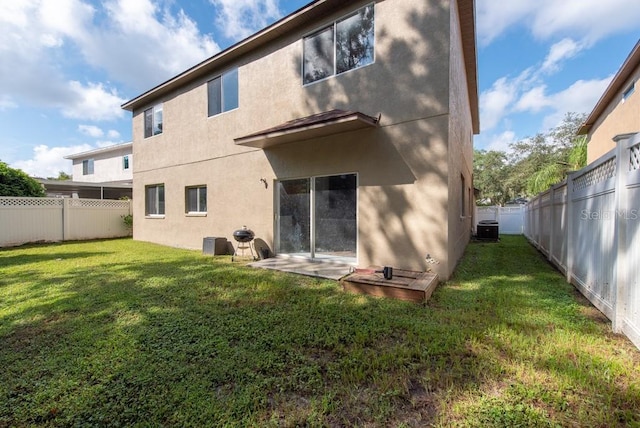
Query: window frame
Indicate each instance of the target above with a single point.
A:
(463, 197)
(629, 91)
(126, 162)
(151, 114)
(88, 166)
(159, 202)
(222, 101)
(334, 26)
(199, 189)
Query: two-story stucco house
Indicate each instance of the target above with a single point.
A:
(344, 131)
(104, 173)
(618, 110)
(111, 164)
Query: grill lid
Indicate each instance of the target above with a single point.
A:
(243, 235)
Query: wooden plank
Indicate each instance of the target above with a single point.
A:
(406, 285)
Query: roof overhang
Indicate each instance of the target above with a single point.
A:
(619, 80)
(78, 185)
(309, 127)
(466, 11)
(108, 149)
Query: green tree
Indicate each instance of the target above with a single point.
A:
(490, 175)
(546, 159)
(14, 182)
(62, 176)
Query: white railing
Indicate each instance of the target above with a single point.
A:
(510, 219)
(24, 220)
(589, 227)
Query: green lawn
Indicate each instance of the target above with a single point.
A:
(121, 333)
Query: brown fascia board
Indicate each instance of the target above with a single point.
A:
(309, 13)
(466, 10)
(626, 70)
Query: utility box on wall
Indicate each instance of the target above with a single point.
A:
(488, 230)
(214, 246)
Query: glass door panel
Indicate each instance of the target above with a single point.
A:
(335, 216)
(294, 220)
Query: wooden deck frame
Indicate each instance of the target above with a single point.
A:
(405, 284)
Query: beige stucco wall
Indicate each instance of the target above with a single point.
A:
(403, 165)
(620, 117)
(460, 150)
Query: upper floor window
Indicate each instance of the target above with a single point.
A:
(223, 93)
(196, 199)
(153, 121)
(87, 167)
(345, 45)
(630, 90)
(125, 162)
(154, 200)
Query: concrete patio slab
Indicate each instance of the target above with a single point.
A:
(320, 269)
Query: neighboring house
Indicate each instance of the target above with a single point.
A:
(112, 164)
(104, 173)
(344, 132)
(618, 110)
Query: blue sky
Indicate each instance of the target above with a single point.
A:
(66, 66)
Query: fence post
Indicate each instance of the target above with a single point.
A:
(552, 221)
(66, 218)
(620, 231)
(570, 233)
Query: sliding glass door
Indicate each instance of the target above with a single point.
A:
(317, 217)
(295, 217)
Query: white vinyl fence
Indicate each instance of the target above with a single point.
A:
(510, 219)
(589, 227)
(24, 220)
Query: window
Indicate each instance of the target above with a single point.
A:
(125, 162)
(630, 90)
(196, 199)
(223, 93)
(318, 55)
(87, 167)
(463, 202)
(154, 200)
(345, 45)
(153, 121)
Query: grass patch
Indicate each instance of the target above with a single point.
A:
(119, 332)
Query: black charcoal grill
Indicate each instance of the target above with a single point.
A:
(244, 237)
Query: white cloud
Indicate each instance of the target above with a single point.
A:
(580, 97)
(494, 17)
(49, 161)
(113, 134)
(6, 103)
(533, 100)
(564, 49)
(584, 20)
(496, 102)
(93, 102)
(142, 45)
(28, 70)
(502, 142)
(135, 42)
(241, 18)
(91, 131)
(527, 93)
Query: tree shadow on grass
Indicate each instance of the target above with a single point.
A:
(173, 337)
